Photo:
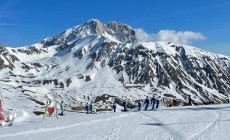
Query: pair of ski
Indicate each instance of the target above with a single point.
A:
(5, 123)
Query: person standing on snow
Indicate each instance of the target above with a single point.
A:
(153, 100)
(124, 104)
(139, 105)
(189, 100)
(90, 108)
(157, 100)
(87, 108)
(114, 107)
(62, 108)
(228, 97)
(147, 103)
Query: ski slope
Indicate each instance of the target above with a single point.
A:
(177, 123)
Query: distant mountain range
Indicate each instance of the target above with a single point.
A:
(104, 63)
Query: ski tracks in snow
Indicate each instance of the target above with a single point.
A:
(114, 134)
(46, 130)
(163, 128)
(213, 126)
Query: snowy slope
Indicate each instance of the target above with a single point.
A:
(176, 123)
(104, 63)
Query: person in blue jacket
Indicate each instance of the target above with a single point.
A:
(87, 108)
(153, 101)
(114, 107)
(157, 102)
(147, 103)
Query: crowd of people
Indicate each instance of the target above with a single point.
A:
(89, 108)
(154, 101)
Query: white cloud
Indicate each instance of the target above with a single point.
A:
(180, 37)
(141, 35)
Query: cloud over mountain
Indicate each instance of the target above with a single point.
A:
(181, 37)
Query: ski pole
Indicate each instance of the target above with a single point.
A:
(1, 97)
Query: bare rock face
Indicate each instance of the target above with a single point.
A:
(1, 47)
(92, 27)
(6, 59)
(181, 70)
(95, 26)
(121, 31)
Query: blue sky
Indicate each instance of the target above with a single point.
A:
(24, 22)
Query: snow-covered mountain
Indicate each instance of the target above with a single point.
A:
(103, 63)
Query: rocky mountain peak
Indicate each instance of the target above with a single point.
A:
(118, 30)
(122, 31)
(1, 47)
(95, 26)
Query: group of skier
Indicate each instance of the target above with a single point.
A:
(89, 108)
(154, 101)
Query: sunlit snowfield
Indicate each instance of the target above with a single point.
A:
(197, 122)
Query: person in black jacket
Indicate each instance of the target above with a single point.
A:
(90, 108)
(139, 105)
(114, 107)
(189, 100)
(124, 105)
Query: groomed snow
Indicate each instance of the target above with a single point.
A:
(177, 123)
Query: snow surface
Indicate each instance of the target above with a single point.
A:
(177, 123)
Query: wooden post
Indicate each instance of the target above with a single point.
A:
(172, 103)
(1, 116)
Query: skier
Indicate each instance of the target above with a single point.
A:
(124, 104)
(157, 100)
(147, 103)
(190, 100)
(62, 109)
(90, 108)
(139, 105)
(229, 98)
(114, 107)
(153, 100)
(87, 108)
